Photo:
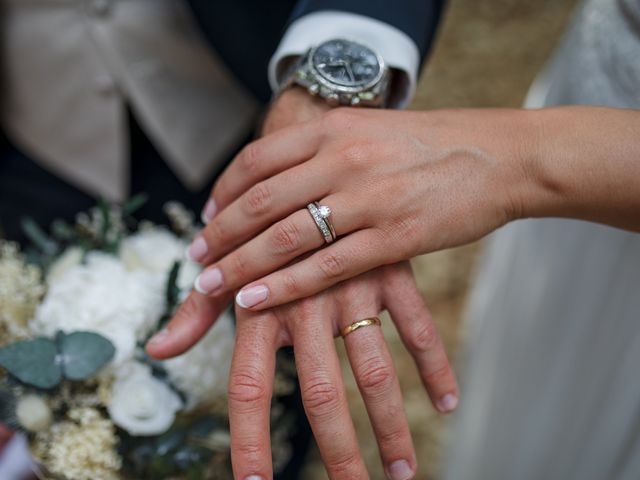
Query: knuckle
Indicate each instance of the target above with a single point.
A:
(250, 159)
(248, 450)
(392, 437)
(321, 398)
(247, 387)
(214, 232)
(346, 465)
(290, 284)
(425, 338)
(438, 374)
(376, 377)
(332, 265)
(286, 237)
(235, 269)
(258, 199)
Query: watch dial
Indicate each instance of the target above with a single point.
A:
(346, 63)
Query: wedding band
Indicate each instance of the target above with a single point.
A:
(320, 215)
(359, 324)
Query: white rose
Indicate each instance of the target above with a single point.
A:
(140, 403)
(156, 250)
(69, 259)
(202, 373)
(103, 297)
(153, 249)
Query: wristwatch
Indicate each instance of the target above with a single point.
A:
(343, 72)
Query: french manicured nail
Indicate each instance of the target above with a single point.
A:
(159, 337)
(198, 249)
(253, 477)
(448, 403)
(208, 281)
(252, 296)
(400, 470)
(210, 210)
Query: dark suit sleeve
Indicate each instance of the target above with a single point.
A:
(417, 18)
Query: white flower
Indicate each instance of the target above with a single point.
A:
(69, 259)
(103, 297)
(140, 403)
(155, 250)
(202, 372)
(33, 413)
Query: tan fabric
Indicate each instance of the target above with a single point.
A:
(70, 66)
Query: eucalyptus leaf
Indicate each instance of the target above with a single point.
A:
(82, 354)
(33, 362)
(134, 204)
(38, 237)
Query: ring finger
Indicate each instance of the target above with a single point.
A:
(281, 243)
(378, 383)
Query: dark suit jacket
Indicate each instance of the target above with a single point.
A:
(246, 32)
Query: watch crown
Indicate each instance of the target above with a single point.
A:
(314, 89)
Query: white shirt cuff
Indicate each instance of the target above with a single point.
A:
(397, 49)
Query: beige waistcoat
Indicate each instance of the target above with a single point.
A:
(70, 67)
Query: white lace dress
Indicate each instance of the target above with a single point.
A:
(551, 384)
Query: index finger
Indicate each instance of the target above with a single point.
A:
(262, 159)
(190, 323)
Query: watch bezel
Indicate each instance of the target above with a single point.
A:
(337, 87)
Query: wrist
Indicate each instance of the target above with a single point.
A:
(532, 188)
(293, 105)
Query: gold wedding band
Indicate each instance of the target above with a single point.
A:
(359, 324)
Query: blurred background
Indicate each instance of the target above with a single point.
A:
(487, 54)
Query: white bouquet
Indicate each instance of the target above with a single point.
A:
(75, 312)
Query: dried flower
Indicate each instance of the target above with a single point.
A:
(21, 290)
(82, 447)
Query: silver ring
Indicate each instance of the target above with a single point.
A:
(320, 215)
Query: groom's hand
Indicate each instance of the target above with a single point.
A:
(294, 105)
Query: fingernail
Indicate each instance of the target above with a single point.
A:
(159, 337)
(210, 210)
(400, 470)
(208, 281)
(250, 297)
(448, 403)
(253, 477)
(197, 250)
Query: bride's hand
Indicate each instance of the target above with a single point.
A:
(398, 184)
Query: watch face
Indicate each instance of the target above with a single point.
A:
(347, 64)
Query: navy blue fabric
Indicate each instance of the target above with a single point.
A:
(417, 18)
(245, 33)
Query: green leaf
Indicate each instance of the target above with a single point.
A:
(34, 362)
(172, 291)
(38, 237)
(82, 354)
(134, 204)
